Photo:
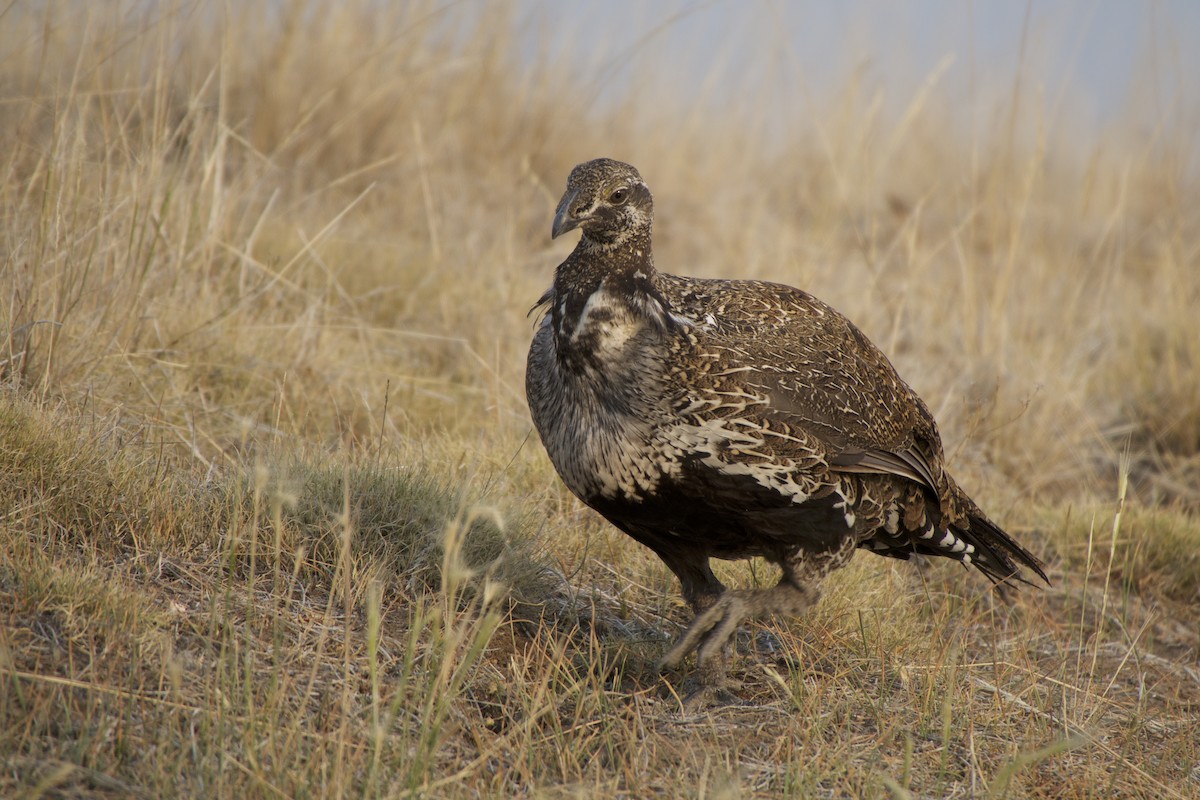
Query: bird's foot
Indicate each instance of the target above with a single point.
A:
(709, 686)
(709, 632)
(713, 628)
(704, 698)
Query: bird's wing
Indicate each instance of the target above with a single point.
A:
(818, 375)
(867, 419)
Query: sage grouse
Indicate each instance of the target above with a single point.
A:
(731, 419)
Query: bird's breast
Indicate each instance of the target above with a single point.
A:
(597, 328)
(596, 381)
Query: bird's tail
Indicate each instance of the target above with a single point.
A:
(996, 554)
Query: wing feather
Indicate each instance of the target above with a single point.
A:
(909, 464)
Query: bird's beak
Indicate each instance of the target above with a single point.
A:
(564, 220)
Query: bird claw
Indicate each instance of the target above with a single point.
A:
(709, 634)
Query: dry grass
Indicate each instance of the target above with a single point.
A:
(273, 522)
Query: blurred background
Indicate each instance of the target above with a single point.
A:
(1084, 63)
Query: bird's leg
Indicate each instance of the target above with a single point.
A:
(696, 580)
(710, 633)
(702, 591)
(713, 628)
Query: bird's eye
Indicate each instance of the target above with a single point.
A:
(619, 196)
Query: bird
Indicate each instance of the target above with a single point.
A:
(731, 419)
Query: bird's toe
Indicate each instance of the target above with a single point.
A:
(705, 697)
(708, 687)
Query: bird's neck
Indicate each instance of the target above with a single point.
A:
(616, 275)
(627, 264)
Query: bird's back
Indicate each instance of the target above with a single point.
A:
(812, 362)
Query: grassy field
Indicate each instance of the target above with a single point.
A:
(274, 520)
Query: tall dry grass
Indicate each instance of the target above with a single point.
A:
(267, 461)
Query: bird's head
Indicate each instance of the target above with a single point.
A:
(608, 200)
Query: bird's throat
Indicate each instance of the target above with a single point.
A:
(599, 306)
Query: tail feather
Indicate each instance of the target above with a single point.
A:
(997, 555)
(918, 523)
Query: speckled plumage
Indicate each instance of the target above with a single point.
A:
(730, 419)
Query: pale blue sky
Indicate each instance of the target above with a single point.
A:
(1082, 57)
